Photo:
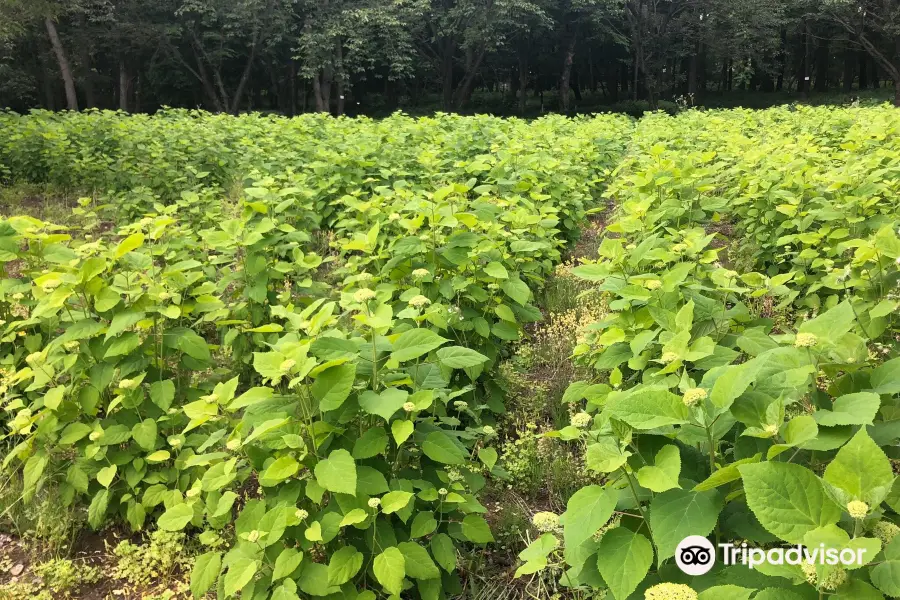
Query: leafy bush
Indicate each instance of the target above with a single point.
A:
(188, 353)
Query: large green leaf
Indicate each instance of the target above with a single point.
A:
(390, 569)
(414, 343)
(676, 514)
(860, 471)
(587, 511)
(337, 473)
(787, 499)
(440, 448)
(623, 559)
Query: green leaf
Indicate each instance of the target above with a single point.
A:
(97, 509)
(860, 471)
(851, 409)
(333, 385)
(344, 564)
(444, 551)
(414, 343)
(280, 470)
(726, 592)
(371, 443)
(394, 501)
(587, 511)
(488, 456)
(423, 524)
(106, 475)
(440, 448)
(885, 379)
(144, 433)
(162, 393)
(535, 555)
(401, 430)
(337, 473)
(676, 514)
(205, 572)
(516, 289)
(886, 576)
(457, 357)
(788, 500)
(648, 409)
(132, 242)
(623, 559)
(417, 562)
(240, 572)
(286, 563)
(496, 270)
(663, 475)
(384, 404)
(390, 569)
(176, 517)
(476, 529)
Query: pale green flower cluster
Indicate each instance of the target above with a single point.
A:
(805, 340)
(670, 591)
(694, 396)
(885, 531)
(545, 521)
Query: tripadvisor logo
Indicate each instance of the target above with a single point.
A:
(696, 555)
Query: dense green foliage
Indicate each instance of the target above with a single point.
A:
(746, 392)
(296, 372)
(280, 335)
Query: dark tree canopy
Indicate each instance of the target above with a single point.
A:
(377, 56)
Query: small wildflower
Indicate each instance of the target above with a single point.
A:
(18, 296)
(253, 536)
(679, 248)
(581, 420)
(409, 406)
(653, 284)
(805, 340)
(420, 273)
(95, 435)
(210, 398)
(287, 365)
(670, 591)
(668, 357)
(419, 301)
(374, 502)
(364, 277)
(442, 492)
(885, 531)
(164, 295)
(771, 429)
(363, 295)
(835, 579)
(72, 346)
(857, 509)
(693, 396)
(394, 217)
(460, 405)
(545, 521)
(21, 334)
(175, 441)
(128, 384)
(488, 430)
(301, 514)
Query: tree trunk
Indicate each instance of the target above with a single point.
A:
(123, 86)
(569, 39)
(822, 56)
(64, 69)
(293, 88)
(863, 62)
(339, 62)
(849, 63)
(523, 79)
(473, 63)
(245, 76)
(447, 73)
(693, 67)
